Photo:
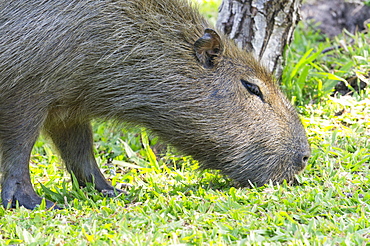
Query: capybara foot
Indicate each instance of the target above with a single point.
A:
(24, 197)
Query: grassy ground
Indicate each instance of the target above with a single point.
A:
(172, 203)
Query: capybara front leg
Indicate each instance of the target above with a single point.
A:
(74, 140)
(16, 181)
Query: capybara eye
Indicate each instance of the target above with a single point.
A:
(252, 88)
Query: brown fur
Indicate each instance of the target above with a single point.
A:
(63, 63)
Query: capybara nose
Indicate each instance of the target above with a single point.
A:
(305, 158)
(302, 159)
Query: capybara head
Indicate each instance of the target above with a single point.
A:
(226, 110)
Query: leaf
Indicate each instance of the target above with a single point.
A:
(148, 151)
(332, 76)
(51, 194)
(126, 164)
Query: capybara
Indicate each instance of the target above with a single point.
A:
(154, 63)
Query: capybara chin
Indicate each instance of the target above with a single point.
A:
(154, 63)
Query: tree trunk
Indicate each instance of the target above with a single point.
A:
(262, 27)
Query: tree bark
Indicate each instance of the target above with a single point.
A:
(262, 27)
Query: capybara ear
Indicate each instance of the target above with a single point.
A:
(209, 48)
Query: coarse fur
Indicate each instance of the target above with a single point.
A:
(65, 62)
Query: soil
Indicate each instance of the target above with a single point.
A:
(335, 15)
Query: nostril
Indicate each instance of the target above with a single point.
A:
(302, 160)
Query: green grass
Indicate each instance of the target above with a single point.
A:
(170, 202)
(311, 75)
